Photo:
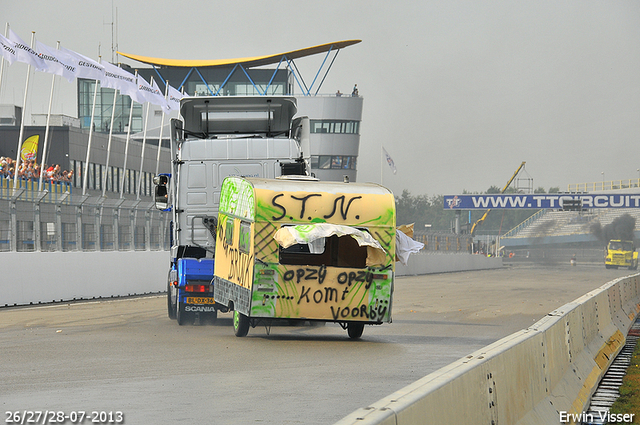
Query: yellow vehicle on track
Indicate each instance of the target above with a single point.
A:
(621, 254)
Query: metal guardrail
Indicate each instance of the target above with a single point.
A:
(604, 185)
(57, 220)
(444, 243)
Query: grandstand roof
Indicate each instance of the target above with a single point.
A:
(246, 62)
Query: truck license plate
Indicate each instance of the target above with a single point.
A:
(200, 300)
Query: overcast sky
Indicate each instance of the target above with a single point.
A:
(459, 92)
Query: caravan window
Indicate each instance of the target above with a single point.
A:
(228, 232)
(245, 237)
(333, 251)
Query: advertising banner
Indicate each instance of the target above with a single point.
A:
(538, 201)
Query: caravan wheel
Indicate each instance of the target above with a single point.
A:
(355, 329)
(240, 324)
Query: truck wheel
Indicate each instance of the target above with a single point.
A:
(181, 315)
(240, 324)
(355, 330)
(171, 307)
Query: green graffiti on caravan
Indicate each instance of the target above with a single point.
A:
(387, 219)
(237, 198)
(269, 293)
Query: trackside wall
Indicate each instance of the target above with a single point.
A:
(527, 378)
(41, 277)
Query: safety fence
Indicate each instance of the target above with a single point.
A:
(53, 220)
(604, 185)
(444, 242)
(544, 374)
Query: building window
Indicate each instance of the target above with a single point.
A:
(104, 109)
(335, 126)
(333, 162)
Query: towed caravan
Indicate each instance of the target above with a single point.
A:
(301, 249)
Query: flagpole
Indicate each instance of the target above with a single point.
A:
(144, 142)
(126, 146)
(93, 111)
(46, 132)
(24, 108)
(166, 94)
(381, 164)
(6, 33)
(106, 166)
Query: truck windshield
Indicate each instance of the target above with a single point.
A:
(616, 246)
(621, 246)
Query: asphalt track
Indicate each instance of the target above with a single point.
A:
(126, 355)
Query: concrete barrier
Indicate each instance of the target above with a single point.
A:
(41, 277)
(544, 374)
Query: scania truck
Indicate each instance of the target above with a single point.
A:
(217, 137)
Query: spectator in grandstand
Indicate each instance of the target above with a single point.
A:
(31, 170)
(56, 172)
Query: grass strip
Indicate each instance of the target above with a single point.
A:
(629, 400)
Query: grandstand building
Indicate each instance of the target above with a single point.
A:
(555, 235)
(114, 211)
(335, 119)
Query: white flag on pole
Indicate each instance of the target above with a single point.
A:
(87, 68)
(159, 96)
(150, 93)
(8, 49)
(389, 160)
(119, 79)
(173, 99)
(58, 62)
(24, 53)
(139, 95)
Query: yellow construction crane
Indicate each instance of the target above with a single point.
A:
(486, 214)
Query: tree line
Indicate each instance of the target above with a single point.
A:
(429, 210)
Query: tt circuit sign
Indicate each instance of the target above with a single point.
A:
(544, 201)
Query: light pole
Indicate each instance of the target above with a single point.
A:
(602, 172)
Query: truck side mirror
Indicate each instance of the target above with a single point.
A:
(161, 193)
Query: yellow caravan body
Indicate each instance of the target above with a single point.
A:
(303, 249)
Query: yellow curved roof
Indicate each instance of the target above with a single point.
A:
(248, 62)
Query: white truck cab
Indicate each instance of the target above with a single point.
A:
(218, 137)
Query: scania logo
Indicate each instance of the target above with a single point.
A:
(199, 308)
